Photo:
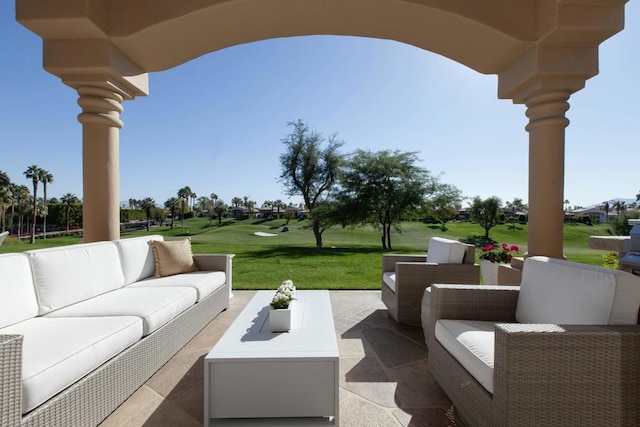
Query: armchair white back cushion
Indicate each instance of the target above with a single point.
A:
(562, 292)
(137, 259)
(70, 274)
(445, 251)
(17, 294)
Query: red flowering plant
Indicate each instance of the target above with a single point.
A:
(502, 253)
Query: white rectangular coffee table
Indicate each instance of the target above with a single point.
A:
(256, 377)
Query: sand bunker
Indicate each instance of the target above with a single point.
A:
(263, 234)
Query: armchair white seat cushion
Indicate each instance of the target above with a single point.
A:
(204, 282)
(17, 296)
(155, 306)
(445, 251)
(471, 342)
(562, 292)
(56, 352)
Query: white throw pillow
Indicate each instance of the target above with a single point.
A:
(445, 251)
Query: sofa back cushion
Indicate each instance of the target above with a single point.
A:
(445, 251)
(136, 257)
(563, 292)
(17, 296)
(69, 274)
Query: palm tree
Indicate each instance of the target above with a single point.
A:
(5, 200)
(69, 199)
(171, 204)
(214, 200)
(220, 209)
(236, 202)
(33, 173)
(20, 197)
(183, 194)
(147, 204)
(46, 178)
(619, 206)
(278, 205)
(5, 197)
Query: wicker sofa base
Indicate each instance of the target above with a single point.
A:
(91, 399)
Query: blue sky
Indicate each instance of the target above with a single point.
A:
(216, 123)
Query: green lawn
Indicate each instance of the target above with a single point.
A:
(350, 258)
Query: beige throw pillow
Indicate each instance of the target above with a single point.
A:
(173, 257)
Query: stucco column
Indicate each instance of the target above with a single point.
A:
(101, 126)
(547, 123)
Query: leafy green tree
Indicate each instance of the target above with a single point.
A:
(46, 178)
(172, 204)
(236, 202)
(381, 188)
(33, 173)
(148, 204)
(309, 169)
(69, 199)
(445, 202)
(485, 213)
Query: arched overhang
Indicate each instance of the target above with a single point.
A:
(541, 50)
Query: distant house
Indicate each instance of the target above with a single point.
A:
(298, 213)
(238, 212)
(597, 215)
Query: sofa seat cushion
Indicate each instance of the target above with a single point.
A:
(17, 295)
(445, 251)
(471, 343)
(56, 352)
(205, 282)
(389, 279)
(66, 275)
(563, 292)
(155, 306)
(137, 258)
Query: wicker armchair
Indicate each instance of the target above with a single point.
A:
(543, 374)
(405, 278)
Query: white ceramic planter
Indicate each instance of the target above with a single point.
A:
(489, 272)
(280, 320)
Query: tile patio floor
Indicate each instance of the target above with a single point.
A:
(384, 379)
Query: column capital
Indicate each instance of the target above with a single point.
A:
(547, 108)
(100, 106)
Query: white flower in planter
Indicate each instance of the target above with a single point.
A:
(284, 295)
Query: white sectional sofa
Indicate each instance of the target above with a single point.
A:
(83, 326)
(561, 349)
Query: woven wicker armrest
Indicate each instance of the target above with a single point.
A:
(213, 262)
(10, 379)
(495, 303)
(423, 274)
(567, 374)
(389, 260)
